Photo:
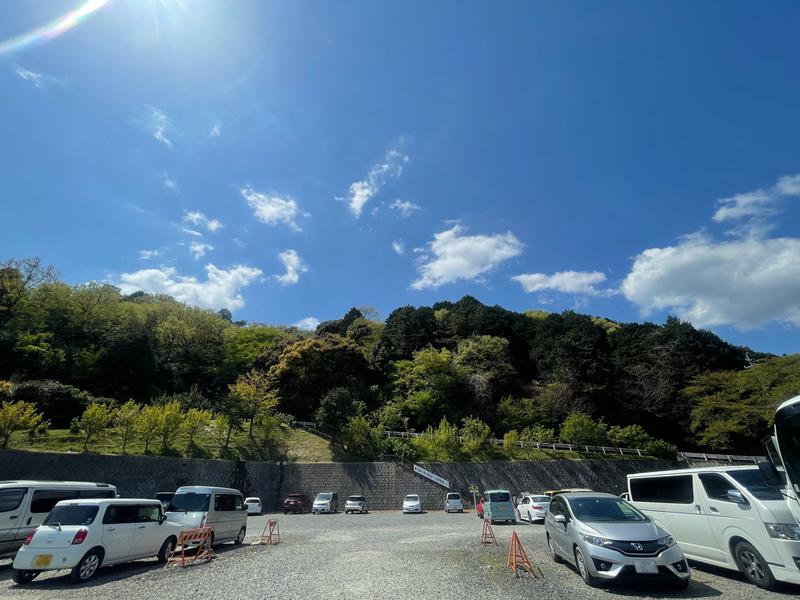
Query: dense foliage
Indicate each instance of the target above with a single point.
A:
(455, 370)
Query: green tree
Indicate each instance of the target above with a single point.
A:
(538, 434)
(511, 443)
(475, 436)
(148, 424)
(17, 416)
(486, 361)
(194, 421)
(95, 419)
(125, 420)
(360, 437)
(440, 444)
(630, 436)
(252, 390)
(580, 428)
(170, 423)
(335, 410)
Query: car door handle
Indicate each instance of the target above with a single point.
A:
(28, 522)
(698, 509)
(140, 527)
(111, 529)
(714, 510)
(13, 516)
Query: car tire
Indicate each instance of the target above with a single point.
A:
(22, 577)
(753, 566)
(87, 567)
(166, 549)
(513, 521)
(583, 569)
(681, 585)
(553, 554)
(240, 538)
(286, 512)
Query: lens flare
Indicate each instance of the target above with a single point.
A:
(51, 30)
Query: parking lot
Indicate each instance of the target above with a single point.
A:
(377, 555)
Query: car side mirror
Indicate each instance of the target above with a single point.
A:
(561, 519)
(161, 519)
(736, 497)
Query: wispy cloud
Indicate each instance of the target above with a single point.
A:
(273, 209)
(754, 211)
(198, 249)
(404, 207)
(195, 217)
(170, 183)
(307, 324)
(191, 232)
(361, 192)
(399, 247)
(294, 267)
(159, 126)
(216, 129)
(567, 282)
(40, 80)
(454, 256)
(148, 254)
(221, 288)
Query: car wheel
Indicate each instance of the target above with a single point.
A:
(86, 569)
(583, 569)
(553, 554)
(681, 584)
(22, 577)
(240, 538)
(754, 567)
(513, 521)
(286, 512)
(166, 549)
(461, 510)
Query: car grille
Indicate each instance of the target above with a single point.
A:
(651, 548)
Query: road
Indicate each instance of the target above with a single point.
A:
(376, 555)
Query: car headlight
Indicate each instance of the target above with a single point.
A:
(667, 541)
(594, 540)
(783, 531)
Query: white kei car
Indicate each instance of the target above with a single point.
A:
(452, 502)
(82, 535)
(412, 504)
(253, 505)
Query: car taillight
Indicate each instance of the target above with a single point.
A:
(537, 507)
(29, 538)
(80, 536)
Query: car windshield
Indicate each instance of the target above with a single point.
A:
(540, 499)
(324, 497)
(597, 510)
(453, 497)
(755, 483)
(71, 515)
(252, 501)
(499, 497)
(356, 498)
(412, 498)
(189, 502)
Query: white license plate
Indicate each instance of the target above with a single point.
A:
(42, 560)
(645, 567)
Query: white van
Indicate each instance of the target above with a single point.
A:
(25, 504)
(730, 517)
(221, 509)
(83, 535)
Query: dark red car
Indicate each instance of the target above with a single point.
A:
(296, 503)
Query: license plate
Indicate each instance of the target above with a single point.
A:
(42, 560)
(645, 567)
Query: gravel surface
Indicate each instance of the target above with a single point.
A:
(377, 555)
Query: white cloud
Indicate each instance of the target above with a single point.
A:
(159, 125)
(404, 207)
(756, 208)
(198, 249)
(744, 282)
(567, 282)
(221, 289)
(307, 324)
(191, 232)
(294, 267)
(195, 217)
(399, 246)
(273, 209)
(170, 183)
(452, 256)
(148, 254)
(361, 192)
(216, 129)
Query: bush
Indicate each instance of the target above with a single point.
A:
(580, 428)
(75, 426)
(61, 403)
(510, 443)
(438, 445)
(475, 436)
(661, 449)
(538, 434)
(17, 416)
(360, 438)
(632, 436)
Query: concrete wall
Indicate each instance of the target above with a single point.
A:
(383, 484)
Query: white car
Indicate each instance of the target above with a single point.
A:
(533, 507)
(412, 504)
(82, 535)
(355, 504)
(220, 509)
(453, 502)
(253, 506)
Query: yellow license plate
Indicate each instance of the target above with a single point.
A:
(42, 560)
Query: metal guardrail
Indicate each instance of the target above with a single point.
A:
(731, 458)
(499, 442)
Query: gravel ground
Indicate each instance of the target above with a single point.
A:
(378, 555)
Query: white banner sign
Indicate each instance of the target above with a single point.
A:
(432, 476)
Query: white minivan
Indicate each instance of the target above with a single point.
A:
(82, 535)
(25, 504)
(221, 509)
(730, 517)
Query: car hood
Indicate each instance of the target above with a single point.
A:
(641, 531)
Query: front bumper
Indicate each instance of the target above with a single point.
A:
(48, 559)
(789, 552)
(609, 564)
(416, 508)
(321, 509)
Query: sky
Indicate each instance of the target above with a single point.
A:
(289, 160)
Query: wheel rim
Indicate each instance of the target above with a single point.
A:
(581, 564)
(169, 548)
(89, 566)
(240, 539)
(752, 565)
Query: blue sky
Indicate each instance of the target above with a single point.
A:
(289, 160)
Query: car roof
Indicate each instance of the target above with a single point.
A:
(109, 501)
(38, 483)
(493, 491)
(542, 495)
(581, 495)
(253, 498)
(206, 489)
(689, 471)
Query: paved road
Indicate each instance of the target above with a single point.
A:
(376, 556)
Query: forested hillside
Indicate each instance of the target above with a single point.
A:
(451, 367)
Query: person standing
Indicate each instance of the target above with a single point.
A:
(479, 508)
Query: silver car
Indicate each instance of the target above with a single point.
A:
(606, 538)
